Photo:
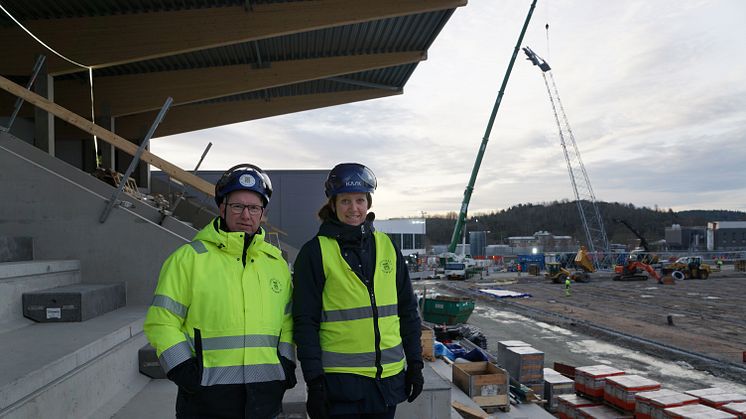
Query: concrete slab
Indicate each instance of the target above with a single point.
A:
(37, 355)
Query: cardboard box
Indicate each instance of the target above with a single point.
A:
(484, 382)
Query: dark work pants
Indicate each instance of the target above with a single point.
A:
(385, 415)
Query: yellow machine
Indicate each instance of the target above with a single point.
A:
(691, 267)
(558, 274)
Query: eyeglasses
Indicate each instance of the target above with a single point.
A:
(238, 208)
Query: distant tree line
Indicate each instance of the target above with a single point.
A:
(561, 218)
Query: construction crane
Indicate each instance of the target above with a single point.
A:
(593, 224)
(478, 162)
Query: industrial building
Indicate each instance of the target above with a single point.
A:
(407, 233)
(726, 235)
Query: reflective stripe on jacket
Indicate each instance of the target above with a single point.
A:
(226, 303)
(359, 329)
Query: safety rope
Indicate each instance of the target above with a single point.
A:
(90, 75)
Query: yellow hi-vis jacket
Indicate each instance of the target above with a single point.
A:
(359, 331)
(234, 319)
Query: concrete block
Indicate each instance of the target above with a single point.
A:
(148, 362)
(73, 303)
(14, 249)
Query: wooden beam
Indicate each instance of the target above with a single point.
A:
(137, 93)
(194, 117)
(106, 135)
(105, 41)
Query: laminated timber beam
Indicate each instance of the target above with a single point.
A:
(104, 41)
(194, 117)
(108, 136)
(137, 93)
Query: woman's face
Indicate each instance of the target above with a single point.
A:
(351, 208)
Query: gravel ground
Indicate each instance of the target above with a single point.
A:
(709, 317)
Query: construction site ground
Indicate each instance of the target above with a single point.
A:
(621, 323)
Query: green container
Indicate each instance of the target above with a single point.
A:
(448, 310)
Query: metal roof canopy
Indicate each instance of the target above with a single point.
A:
(223, 61)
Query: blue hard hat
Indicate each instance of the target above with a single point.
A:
(243, 177)
(349, 178)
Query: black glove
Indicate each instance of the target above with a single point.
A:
(186, 375)
(414, 381)
(317, 405)
(288, 367)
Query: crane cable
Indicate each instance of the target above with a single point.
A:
(73, 62)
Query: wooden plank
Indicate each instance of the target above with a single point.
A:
(469, 412)
(108, 136)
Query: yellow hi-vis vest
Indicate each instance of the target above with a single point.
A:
(359, 331)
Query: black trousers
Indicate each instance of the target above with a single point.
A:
(232, 401)
(385, 415)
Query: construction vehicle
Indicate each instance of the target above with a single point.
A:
(688, 267)
(644, 256)
(633, 271)
(557, 274)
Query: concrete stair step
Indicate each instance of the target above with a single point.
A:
(17, 278)
(14, 249)
(52, 370)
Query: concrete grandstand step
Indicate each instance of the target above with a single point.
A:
(70, 369)
(14, 249)
(17, 278)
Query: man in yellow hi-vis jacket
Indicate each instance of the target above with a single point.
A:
(221, 315)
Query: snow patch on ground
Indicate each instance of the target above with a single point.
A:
(644, 364)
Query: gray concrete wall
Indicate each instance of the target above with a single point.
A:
(62, 217)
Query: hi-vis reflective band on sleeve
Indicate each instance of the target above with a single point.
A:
(287, 350)
(170, 304)
(175, 355)
(358, 313)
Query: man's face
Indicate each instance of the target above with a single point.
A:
(243, 211)
(351, 208)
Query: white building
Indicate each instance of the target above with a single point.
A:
(407, 233)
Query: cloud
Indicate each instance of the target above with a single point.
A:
(653, 91)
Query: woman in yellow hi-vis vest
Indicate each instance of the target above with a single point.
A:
(355, 316)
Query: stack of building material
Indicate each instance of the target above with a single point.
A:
(503, 345)
(427, 340)
(696, 411)
(650, 404)
(601, 412)
(716, 397)
(620, 390)
(590, 380)
(568, 405)
(556, 384)
(738, 409)
(526, 365)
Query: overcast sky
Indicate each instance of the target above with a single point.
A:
(655, 93)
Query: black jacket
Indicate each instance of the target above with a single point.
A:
(350, 393)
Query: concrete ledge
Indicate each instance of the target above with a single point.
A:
(17, 278)
(37, 358)
(9, 270)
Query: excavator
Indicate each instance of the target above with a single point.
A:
(646, 256)
(632, 271)
(557, 274)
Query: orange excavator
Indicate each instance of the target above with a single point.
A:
(632, 271)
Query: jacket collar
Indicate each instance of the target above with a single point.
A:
(346, 234)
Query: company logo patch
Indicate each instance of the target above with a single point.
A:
(275, 284)
(247, 180)
(386, 266)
